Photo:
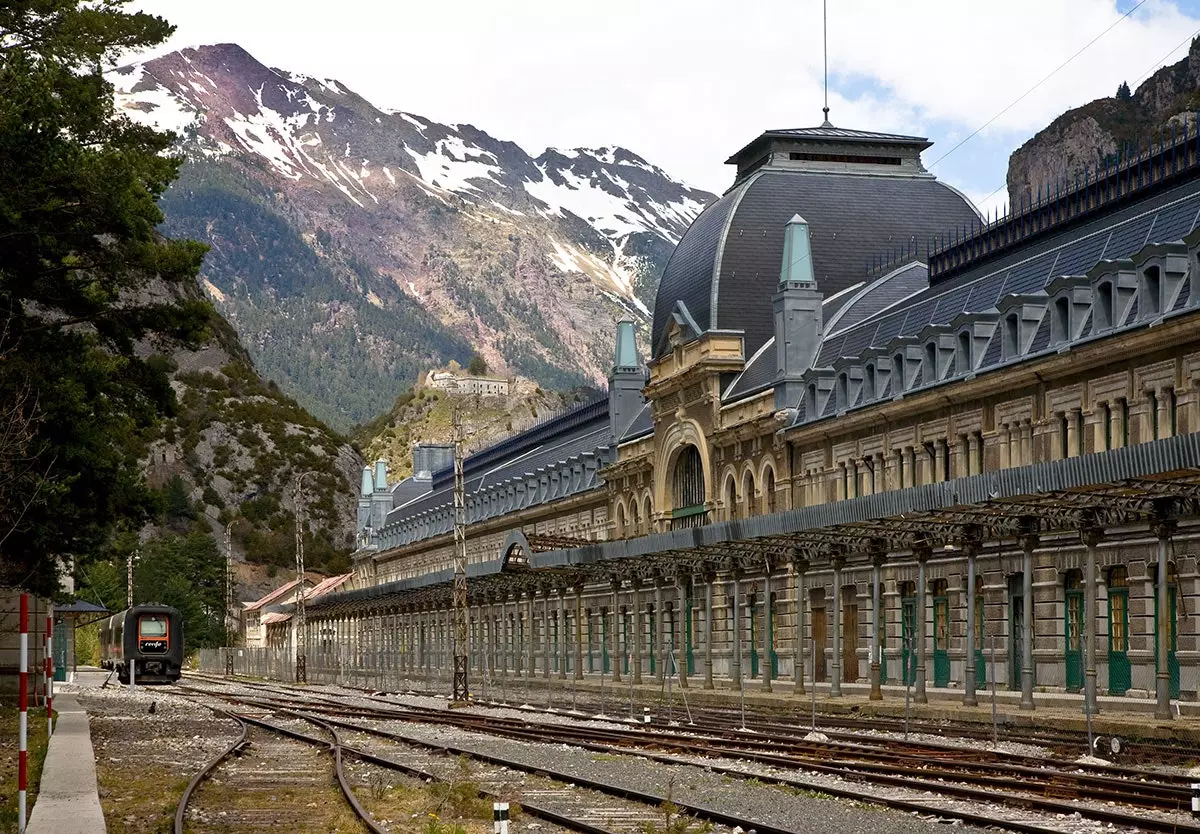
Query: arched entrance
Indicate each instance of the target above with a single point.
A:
(687, 490)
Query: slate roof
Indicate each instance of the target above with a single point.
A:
(829, 133)
(642, 425)
(726, 267)
(879, 295)
(578, 431)
(758, 374)
(1165, 217)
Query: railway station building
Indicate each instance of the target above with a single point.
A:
(870, 438)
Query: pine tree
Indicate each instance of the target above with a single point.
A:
(1123, 93)
(84, 280)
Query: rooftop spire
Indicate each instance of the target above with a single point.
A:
(825, 41)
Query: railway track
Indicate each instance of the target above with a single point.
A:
(974, 776)
(267, 782)
(276, 731)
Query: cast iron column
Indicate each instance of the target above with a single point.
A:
(735, 620)
(768, 636)
(1028, 542)
(614, 619)
(835, 686)
(971, 550)
(563, 633)
(579, 631)
(799, 566)
(922, 554)
(1091, 536)
(659, 627)
(709, 579)
(877, 560)
(1164, 529)
(637, 629)
(683, 620)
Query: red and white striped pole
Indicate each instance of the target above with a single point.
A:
(49, 671)
(22, 717)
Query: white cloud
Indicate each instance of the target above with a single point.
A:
(684, 84)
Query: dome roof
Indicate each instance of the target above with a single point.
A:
(860, 200)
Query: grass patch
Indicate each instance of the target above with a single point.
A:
(8, 762)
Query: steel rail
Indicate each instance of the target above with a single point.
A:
(181, 808)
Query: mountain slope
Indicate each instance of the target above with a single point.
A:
(1108, 129)
(353, 247)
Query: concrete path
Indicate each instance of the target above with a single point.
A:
(68, 801)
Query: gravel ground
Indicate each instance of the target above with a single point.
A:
(144, 760)
(795, 810)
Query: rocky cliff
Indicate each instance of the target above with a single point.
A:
(1107, 129)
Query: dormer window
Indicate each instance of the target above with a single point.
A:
(843, 386)
(1150, 294)
(869, 383)
(812, 400)
(898, 374)
(1102, 316)
(963, 356)
(931, 371)
(1012, 335)
(1060, 324)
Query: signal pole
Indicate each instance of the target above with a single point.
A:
(301, 633)
(231, 617)
(461, 692)
(129, 560)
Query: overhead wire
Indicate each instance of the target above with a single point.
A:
(1028, 92)
(1154, 66)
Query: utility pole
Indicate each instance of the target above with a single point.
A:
(133, 557)
(301, 637)
(461, 692)
(231, 617)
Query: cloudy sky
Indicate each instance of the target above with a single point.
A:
(684, 84)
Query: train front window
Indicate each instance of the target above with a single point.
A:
(152, 625)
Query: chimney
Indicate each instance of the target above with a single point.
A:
(364, 500)
(625, 382)
(381, 498)
(798, 315)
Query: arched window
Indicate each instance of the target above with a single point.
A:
(748, 492)
(769, 491)
(620, 520)
(647, 514)
(687, 489)
(731, 498)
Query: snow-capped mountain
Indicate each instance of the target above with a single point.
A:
(422, 240)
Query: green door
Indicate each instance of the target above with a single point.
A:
(753, 638)
(1172, 660)
(908, 636)
(1119, 673)
(60, 648)
(1074, 631)
(1017, 607)
(941, 640)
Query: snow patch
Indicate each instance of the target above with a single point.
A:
(452, 165)
(417, 123)
(387, 172)
(158, 108)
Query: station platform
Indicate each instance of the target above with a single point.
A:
(68, 800)
(1130, 717)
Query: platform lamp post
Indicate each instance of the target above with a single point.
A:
(301, 637)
